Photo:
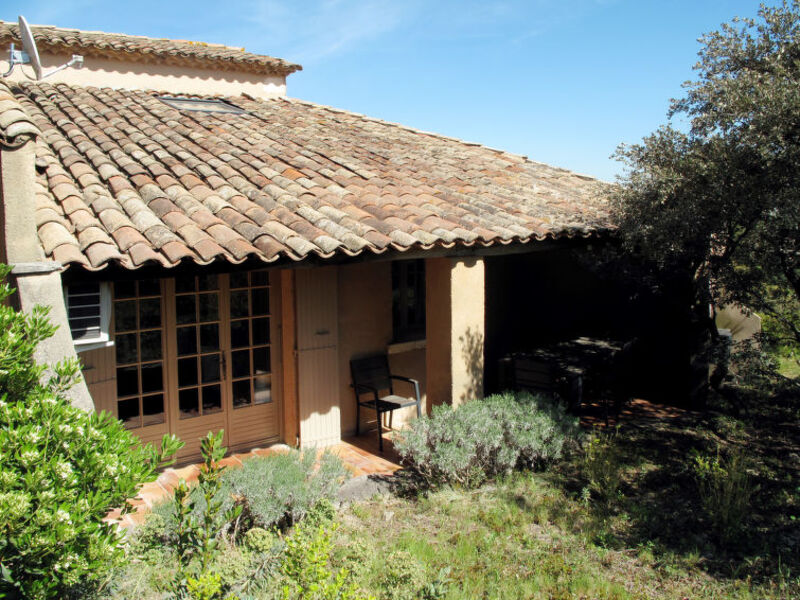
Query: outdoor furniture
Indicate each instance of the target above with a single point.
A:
(571, 370)
(541, 375)
(372, 378)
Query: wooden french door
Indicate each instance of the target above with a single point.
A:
(206, 364)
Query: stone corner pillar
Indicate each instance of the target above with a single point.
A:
(455, 323)
(40, 283)
(37, 281)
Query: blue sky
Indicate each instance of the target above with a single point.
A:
(561, 81)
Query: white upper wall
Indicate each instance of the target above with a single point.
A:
(105, 72)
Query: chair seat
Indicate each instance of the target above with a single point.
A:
(390, 402)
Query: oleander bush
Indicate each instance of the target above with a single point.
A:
(481, 439)
(62, 470)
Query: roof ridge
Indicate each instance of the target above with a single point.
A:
(523, 158)
(128, 35)
(146, 48)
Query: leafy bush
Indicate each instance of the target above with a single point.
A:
(198, 516)
(726, 489)
(278, 490)
(307, 570)
(484, 438)
(602, 465)
(63, 469)
(402, 577)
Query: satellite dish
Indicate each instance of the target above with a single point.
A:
(30, 55)
(29, 44)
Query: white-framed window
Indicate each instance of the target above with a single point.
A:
(89, 314)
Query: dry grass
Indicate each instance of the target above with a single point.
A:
(546, 536)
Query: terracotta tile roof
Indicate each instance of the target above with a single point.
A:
(145, 49)
(16, 126)
(125, 178)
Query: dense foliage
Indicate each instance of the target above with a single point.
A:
(231, 534)
(721, 203)
(480, 439)
(278, 491)
(63, 469)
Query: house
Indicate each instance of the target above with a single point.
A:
(216, 252)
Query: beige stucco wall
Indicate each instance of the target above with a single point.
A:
(455, 305)
(104, 72)
(365, 327)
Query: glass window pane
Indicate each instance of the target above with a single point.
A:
(184, 284)
(240, 334)
(188, 403)
(127, 381)
(259, 277)
(212, 399)
(124, 289)
(238, 279)
(151, 345)
(187, 340)
(209, 338)
(152, 378)
(239, 304)
(208, 307)
(126, 348)
(240, 363)
(128, 413)
(149, 313)
(241, 393)
(185, 309)
(207, 282)
(261, 360)
(210, 368)
(260, 301)
(263, 389)
(153, 409)
(125, 315)
(260, 331)
(149, 287)
(187, 371)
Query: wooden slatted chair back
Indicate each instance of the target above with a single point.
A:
(371, 371)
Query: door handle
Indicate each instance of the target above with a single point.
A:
(224, 364)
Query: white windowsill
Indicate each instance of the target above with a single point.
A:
(85, 345)
(401, 347)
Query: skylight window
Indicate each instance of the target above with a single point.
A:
(210, 105)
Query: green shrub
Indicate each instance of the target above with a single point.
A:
(402, 577)
(278, 490)
(306, 567)
(726, 489)
(259, 540)
(199, 516)
(602, 465)
(484, 438)
(63, 469)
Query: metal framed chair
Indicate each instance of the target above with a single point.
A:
(372, 378)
